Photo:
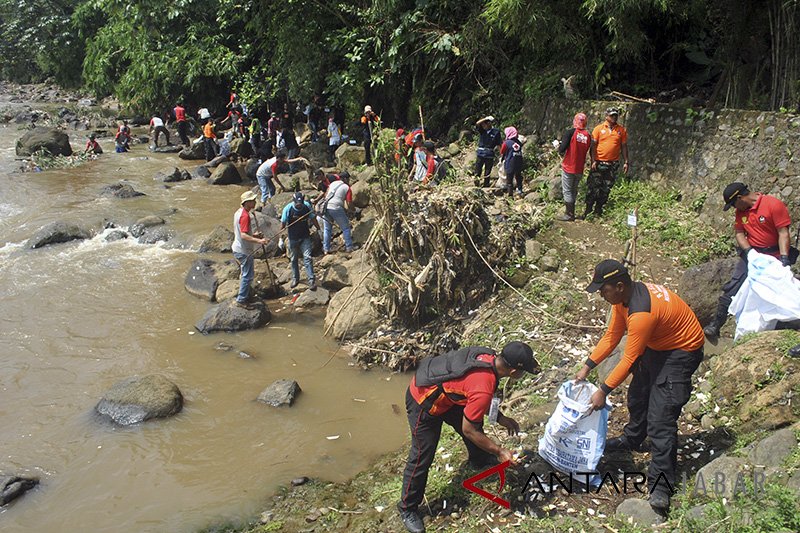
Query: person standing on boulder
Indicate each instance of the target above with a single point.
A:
(245, 244)
(210, 139)
(456, 389)
(609, 140)
(488, 140)
(296, 217)
(573, 148)
(267, 174)
(337, 200)
(182, 124)
(762, 223)
(156, 129)
(511, 152)
(663, 350)
(334, 138)
(369, 122)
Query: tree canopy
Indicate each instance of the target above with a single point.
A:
(451, 56)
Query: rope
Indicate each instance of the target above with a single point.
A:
(518, 293)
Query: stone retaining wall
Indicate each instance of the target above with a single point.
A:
(696, 151)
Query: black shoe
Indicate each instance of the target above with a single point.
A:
(294, 284)
(659, 502)
(794, 352)
(412, 520)
(313, 286)
(711, 330)
(621, 444)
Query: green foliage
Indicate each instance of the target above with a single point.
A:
(665, 221)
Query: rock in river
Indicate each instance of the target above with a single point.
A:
(172, 175)
(120, 190)
(225, 174)
(220, 240)
(281, 392)
(57, 232)
(230, 317)
(135, 400)
(12, 487)
(51, 140)
(205, 275)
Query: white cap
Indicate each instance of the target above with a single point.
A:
(367, 108)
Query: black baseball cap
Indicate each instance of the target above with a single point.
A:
(732, 192)
(606, 271)
(519, 355)
(612, 111)
(298, 197)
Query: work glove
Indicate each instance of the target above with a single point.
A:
(785, 261)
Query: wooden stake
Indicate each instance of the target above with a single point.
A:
(421, 123)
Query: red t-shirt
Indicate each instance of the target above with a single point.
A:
(762, 222)
(180, 114)
(244, 221)
(575, 156)
(473, 391)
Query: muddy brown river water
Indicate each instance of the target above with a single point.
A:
(77, 317)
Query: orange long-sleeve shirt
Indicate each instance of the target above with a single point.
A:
(654, 318)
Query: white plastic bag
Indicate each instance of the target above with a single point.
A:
(575, 435)
(768, 295)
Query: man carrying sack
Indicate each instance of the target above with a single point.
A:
(664, 348)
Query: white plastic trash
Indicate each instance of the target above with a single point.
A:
(575, 435)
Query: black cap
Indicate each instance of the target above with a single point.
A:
(732, 192)
(519, 355)
(298, 197)
(606, 271)
(612, 111)
(429, 145)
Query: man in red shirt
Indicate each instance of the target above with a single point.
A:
(456, 388)
(182, 124)
(573, 148)
(762, 223)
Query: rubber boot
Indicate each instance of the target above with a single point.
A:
(486, 182)
(712, 329)
(569, 213)
(588, 210)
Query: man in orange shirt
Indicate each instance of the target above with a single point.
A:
(457, 389)
(664, 348)
(609, 140)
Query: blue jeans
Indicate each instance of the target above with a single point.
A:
(295, 249)
(267, 187)
(340, 217)
(247, 267)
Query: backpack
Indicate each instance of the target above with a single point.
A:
(452, 365)
(439, 170)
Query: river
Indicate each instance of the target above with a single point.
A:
(77, 317)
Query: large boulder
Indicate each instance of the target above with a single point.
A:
(134, 400)
(349, 156)
(57, 232)
(120, 190)
(225, 174)
(169, 149)
(51, 140)
(206, 275)
(201, 172)
(220, 240)
(13, 486)
(701, 286)
(362, 228)
(350, 313)
(172, 175)
(251, 167)
(154, 235)
(194, 152)
(265, 284)
(279, 393)
(230, 317)
(361, 194)
(242, 148)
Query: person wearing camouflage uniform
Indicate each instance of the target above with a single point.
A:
(610, 139)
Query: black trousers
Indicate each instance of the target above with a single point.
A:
(483, 167)
(729, 290)
(368, 150)
(425, 432)
(511, 178)
(183, 132)
(661, 385)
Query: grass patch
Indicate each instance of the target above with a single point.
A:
(666, 220)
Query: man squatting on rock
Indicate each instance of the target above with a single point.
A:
(663, 350)
(456, 389)
(762, 223)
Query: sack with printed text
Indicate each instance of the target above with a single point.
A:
(575, 435)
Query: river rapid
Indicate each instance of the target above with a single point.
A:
(77, 317)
